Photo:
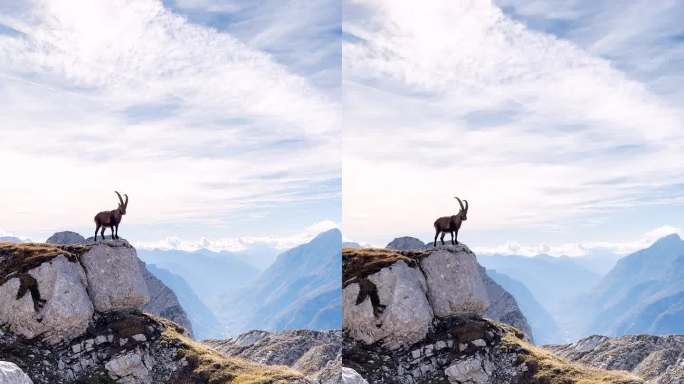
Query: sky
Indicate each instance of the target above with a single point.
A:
(221, 122)
(560, 122)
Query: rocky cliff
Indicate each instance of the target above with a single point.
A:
(72, 314)
(163, 301)
(417, 317)
(656, 359)
(429, 282)
(317, 354)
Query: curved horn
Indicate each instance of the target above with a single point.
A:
(120, 199)
(126, 203)
(466, 204)
(459, 202)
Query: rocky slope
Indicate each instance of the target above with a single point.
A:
(416, 317)
(656, 359)
(204, 323)
(72, 314)
(317, 354)
(163, 301)
(544, 327)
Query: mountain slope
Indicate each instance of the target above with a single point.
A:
(643, 293)
(163, 301)
(656, 359)
(415, 317)
(544, 327)
(300, 290)
(554, 280)
(209, 274)
(204, 322)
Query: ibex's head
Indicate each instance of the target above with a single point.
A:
(464, 210)
(122, 204)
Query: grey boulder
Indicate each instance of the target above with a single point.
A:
(67, 308)
(350, 376)
(454, 282)
(10, 373)
(115, 278)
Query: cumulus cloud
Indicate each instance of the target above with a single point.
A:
(582, 249)
(241, 243)
(447, 98)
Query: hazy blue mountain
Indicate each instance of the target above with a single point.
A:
(643, 293)
(553, 280)
(544, 327)
(205, 325)
(302, 289)
(210, 274)
(10, 239)
(598, 260)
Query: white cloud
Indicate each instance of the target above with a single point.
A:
(448, 98)
(582, 249)
(241, 243)
(195, 125)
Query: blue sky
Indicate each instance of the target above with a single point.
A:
(221, 120)
(560, 122)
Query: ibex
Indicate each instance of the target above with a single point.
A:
(111, 219)
(451, 224)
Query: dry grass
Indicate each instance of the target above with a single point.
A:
(20, 258)
(214, 368)
(551, 369)
(361, 262)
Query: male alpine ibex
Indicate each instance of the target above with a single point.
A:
(111, 219)
(451, 224)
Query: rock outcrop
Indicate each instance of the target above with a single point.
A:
(393, 296)
(114, 276)
(66, 238)
(503, 306)
(163, 301)
(317, 354)
(405, 243)
(656, 359)
(11, 374)
(446, 286)
(74, 317)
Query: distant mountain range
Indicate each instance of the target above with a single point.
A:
(544, 327)
(10, 239)
(210, 274)
(205, 325)
(643, 293)
(300, 290)
(554, 281)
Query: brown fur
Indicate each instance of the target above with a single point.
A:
(111, 219)
(451, 224)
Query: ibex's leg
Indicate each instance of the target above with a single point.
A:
(452, 237)
(113, 236)
(436, 234)
(456, 238)
(97, 228)
(117, 232)
(441, 238)
(102, 233)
